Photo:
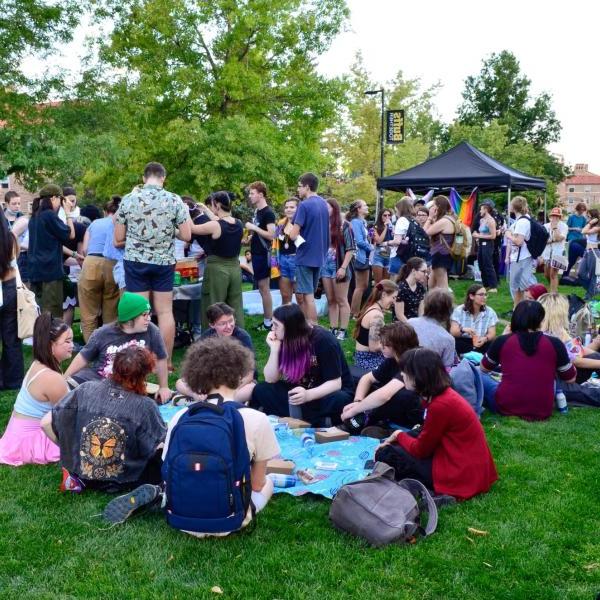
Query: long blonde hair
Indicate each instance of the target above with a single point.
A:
(556, 319)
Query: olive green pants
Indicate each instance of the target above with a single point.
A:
(222, 283)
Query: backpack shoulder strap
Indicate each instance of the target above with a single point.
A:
(417, 489)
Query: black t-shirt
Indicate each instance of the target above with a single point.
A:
(263, 217)
(327, 361)
(106, 433)
(286, 246)
(412, 300)
(80, 230)
(205, 241)
(387, 371)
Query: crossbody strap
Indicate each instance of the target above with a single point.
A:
(416, 488)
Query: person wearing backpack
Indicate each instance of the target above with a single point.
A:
(520, 237)
(440, 227)
(215, 456)
(449, 454)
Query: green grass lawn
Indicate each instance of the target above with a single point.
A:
(541, 521)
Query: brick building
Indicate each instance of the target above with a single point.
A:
(11, 184)
(582, 186)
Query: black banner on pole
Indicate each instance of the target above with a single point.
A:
(395, 127)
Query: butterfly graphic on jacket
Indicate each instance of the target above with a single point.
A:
(104, 449)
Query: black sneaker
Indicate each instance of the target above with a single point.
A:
(263, 327)
(121, 508)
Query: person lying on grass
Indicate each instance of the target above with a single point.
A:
(389, 401)
(306, 369)
(525, 356)
(109, 432)
(449, 454)
(215, 367)
(24, 441)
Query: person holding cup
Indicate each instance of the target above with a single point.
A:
(47, 234)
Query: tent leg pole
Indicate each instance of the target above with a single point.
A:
(508, 205)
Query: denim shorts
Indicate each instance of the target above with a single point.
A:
(287, 266)
(380, 261)
(145, 277)
(307, 279)
(329, 269)
(395, 265)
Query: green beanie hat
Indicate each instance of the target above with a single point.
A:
(50, 190)
(131, 306)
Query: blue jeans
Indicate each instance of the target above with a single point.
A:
(490, 385)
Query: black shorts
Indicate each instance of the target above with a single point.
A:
(261, 265)
(146, 277)
(441, 261)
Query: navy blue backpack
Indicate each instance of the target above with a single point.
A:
(207, 469)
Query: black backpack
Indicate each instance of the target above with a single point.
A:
(418, 243)
(537, 240)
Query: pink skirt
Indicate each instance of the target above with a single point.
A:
(24, 442)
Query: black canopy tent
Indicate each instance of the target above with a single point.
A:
(462, 167)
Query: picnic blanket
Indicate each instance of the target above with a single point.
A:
(350, 456)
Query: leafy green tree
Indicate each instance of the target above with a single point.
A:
(502, 92)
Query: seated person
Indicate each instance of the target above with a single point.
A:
(24, 441)
(368, 353)
(306, 370)
(433, 327)
(412, 282)
(533, 292)
(450, 454)
(473, 324)
(133, 328)
(109, 432)
(524, 356)
(246, 267)
(216, 366)
(221, 318)
(390, 401)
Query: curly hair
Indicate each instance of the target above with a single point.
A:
(215, 362)
(469, 302)
(131, 366)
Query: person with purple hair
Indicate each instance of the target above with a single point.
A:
(306, 372)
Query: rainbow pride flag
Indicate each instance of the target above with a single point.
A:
(467, 209)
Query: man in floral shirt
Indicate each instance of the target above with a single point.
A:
(148, 220)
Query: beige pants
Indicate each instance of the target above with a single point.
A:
(98, 293)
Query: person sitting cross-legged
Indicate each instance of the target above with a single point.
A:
(449, 454)
(214, 367)
(390, 401)
(109, 432)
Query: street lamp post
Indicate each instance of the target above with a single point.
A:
(382, 142)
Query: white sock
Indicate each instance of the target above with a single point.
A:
(268, 322)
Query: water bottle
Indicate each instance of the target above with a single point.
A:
(283, 481)
(561, 403)
(295, 411)
(308, 441)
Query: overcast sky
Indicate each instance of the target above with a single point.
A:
(556, 43)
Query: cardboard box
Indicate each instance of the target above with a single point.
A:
(294, 423)
(283, 467)
(331, 434)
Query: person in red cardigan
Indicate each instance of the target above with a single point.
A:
(449, 454)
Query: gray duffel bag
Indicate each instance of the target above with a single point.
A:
(382, 510)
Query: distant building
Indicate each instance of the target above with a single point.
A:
(11, 184)
(582, 186)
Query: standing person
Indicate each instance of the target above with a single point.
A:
(24, 442)
(11, 362)
(555, 247)
(404, 213)
(576, 222)
(263, 233)
(12, 212)
(112, 253)
(287, 252)
(383, 232)
(337, 272)
(147, 221)
(450, 455)
(97, 291)
(368, 354)
(473, 324)
(47, 234)
(222, 274)
(412, 288)
(586, 271)
(521, 262)
(310, 232)
(306, 369)
(440, 227)
(486, 240)
(356, 216)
